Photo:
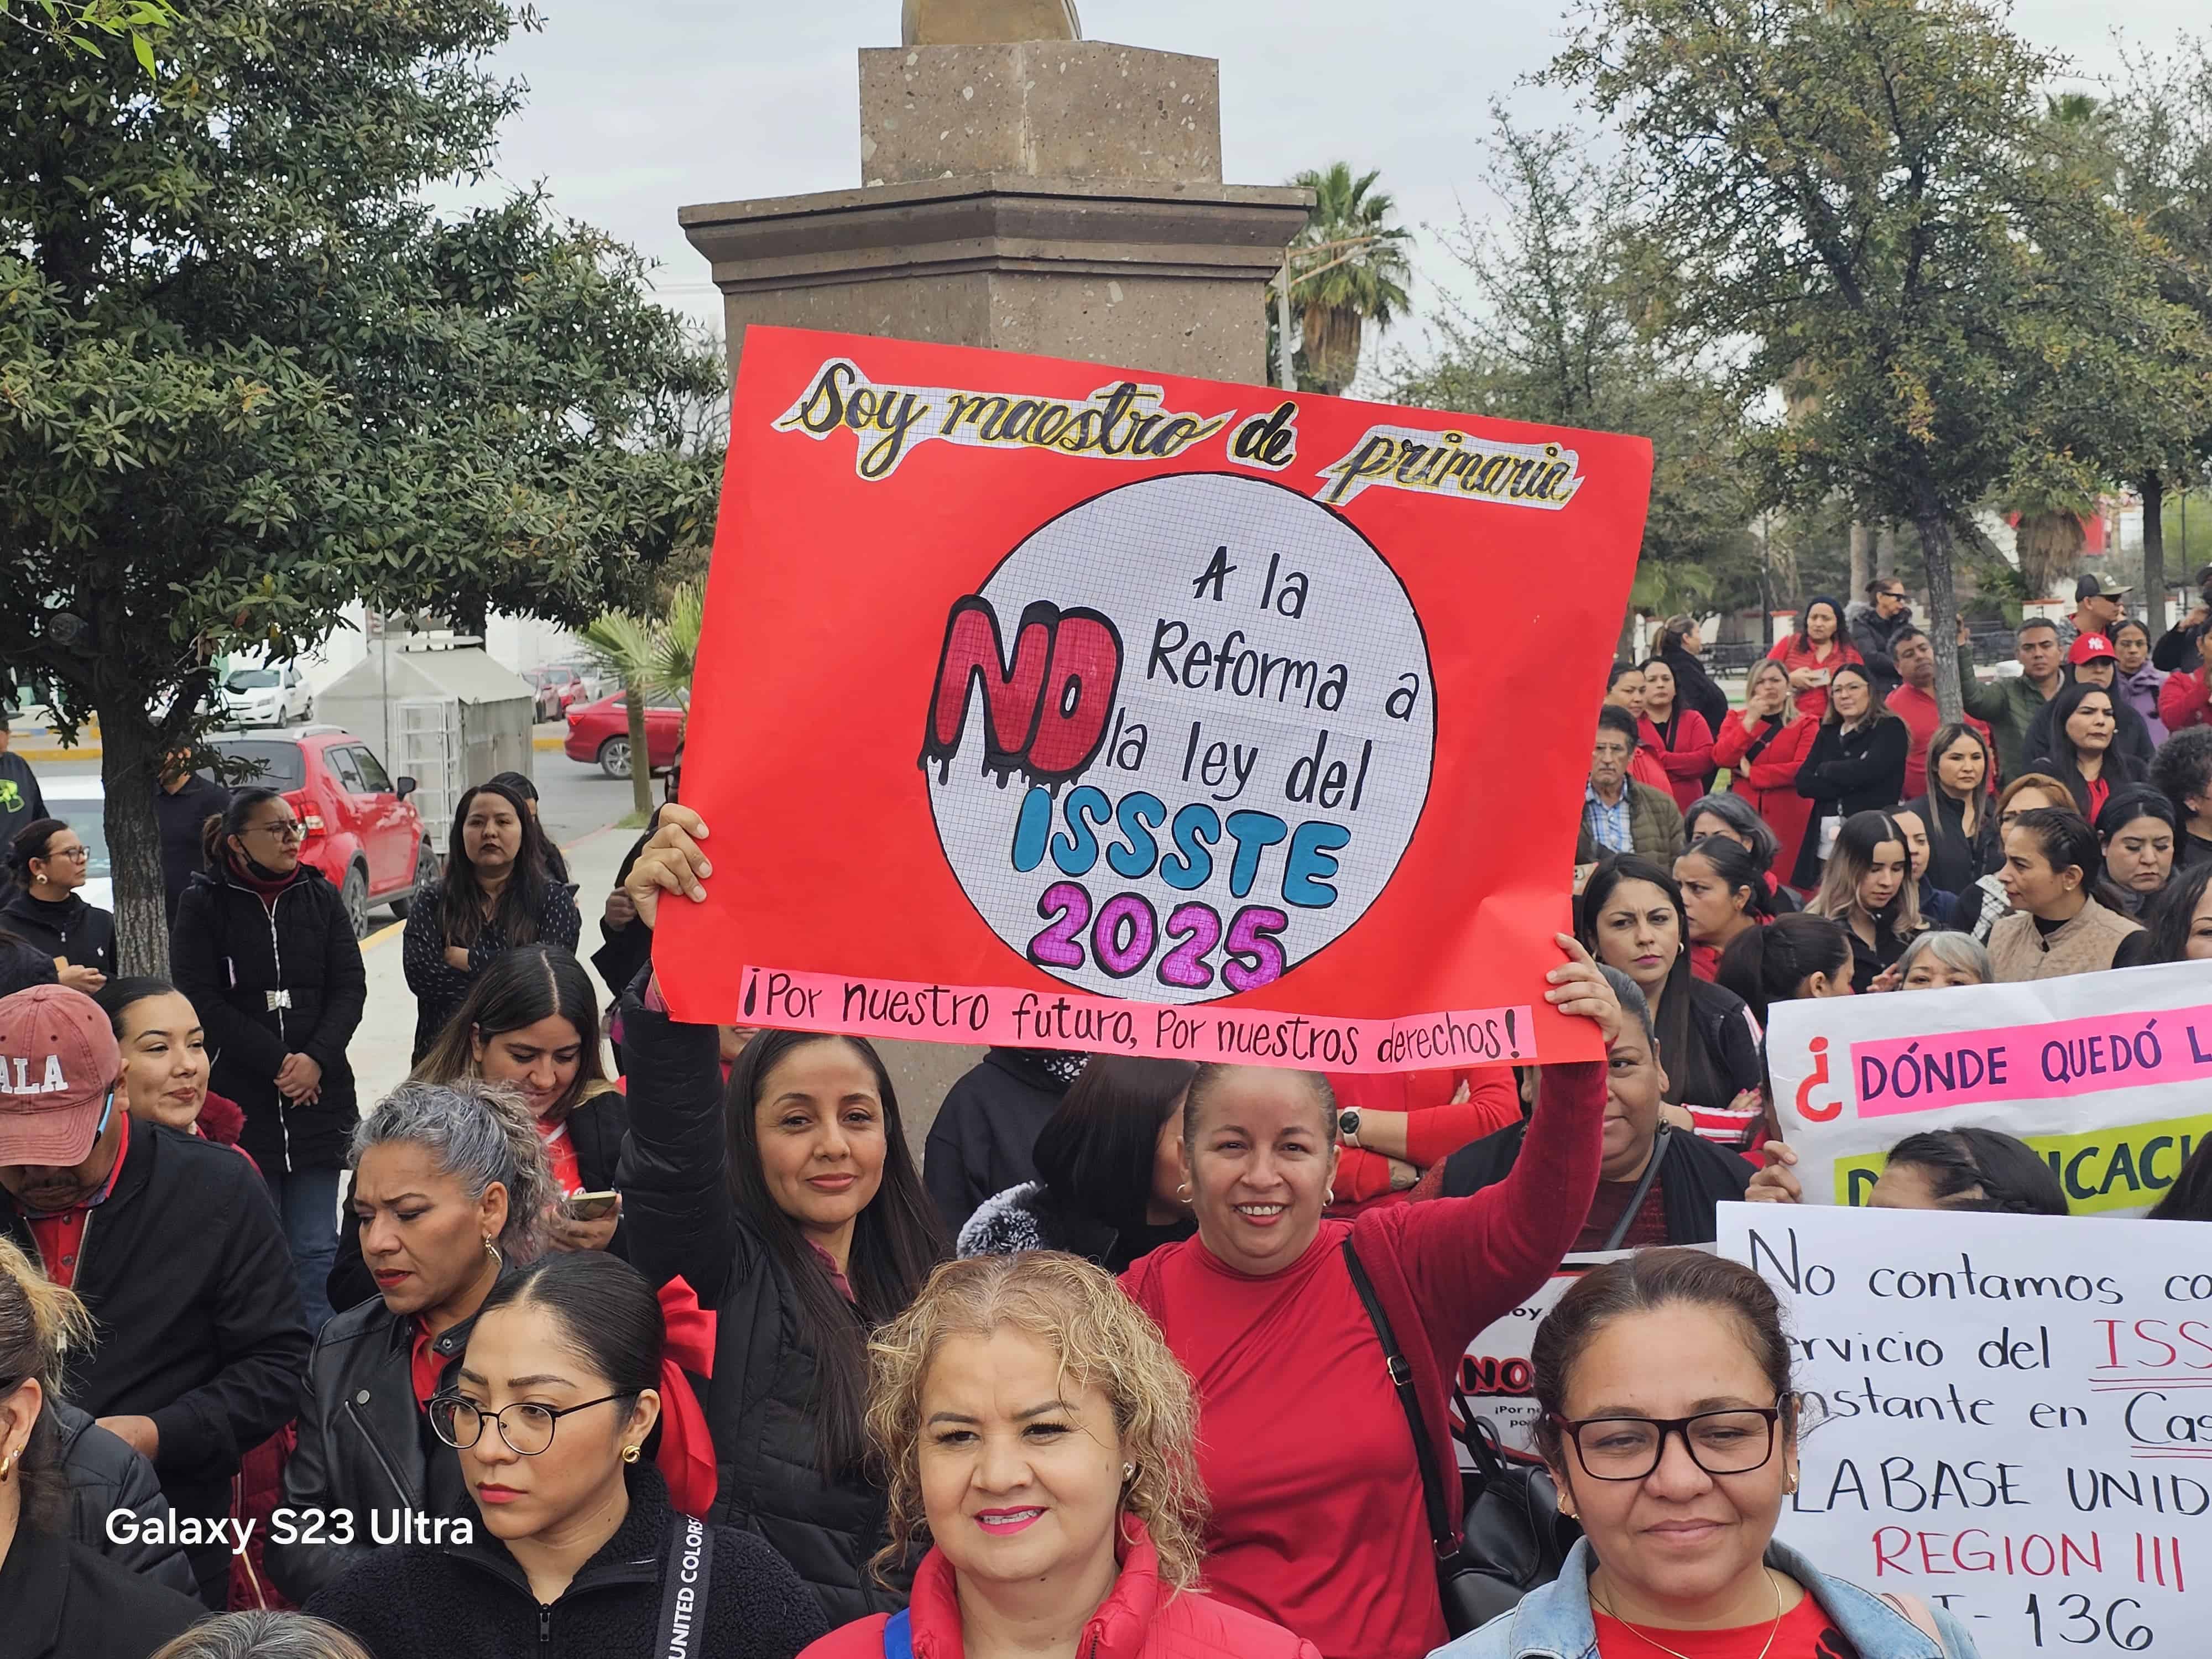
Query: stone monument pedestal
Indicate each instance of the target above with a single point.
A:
(1057, 196)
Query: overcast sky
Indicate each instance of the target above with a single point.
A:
(638, 106)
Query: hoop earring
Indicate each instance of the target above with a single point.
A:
(1183, 1191)
(630, 1453)
(492, 1250)
(1329, 1197)
(6, 1464)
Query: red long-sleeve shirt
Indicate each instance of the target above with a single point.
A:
(1317, 1519)
(1436, 1125)
(1814, 700)
(1688, 761)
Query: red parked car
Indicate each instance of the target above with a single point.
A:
(600, 732)
(362, 831)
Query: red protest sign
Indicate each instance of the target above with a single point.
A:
(1052, 705)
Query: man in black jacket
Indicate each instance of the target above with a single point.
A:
(1875, 628)
(173, 1245)
(21, 801)
(980, 1143)
(182, 805)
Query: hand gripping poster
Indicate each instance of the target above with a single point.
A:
(1051, 705)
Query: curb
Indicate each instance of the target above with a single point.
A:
(92, 751)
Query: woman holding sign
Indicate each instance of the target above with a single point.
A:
(790, 1203)
(1281, 1318)
(1671, 1425)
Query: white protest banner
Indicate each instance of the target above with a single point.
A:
(1495, 1377)
(2013, 1416)
(2105, 1074)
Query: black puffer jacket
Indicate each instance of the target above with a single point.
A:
(22, 964)
(185, 1268)
(106, 1474)
(64, 1600)
(762, 1403)
(595, 1130)
(428, 1601)
(1847, 772)
(365, 1445)
(983, 1138)
(232, 954)
(80, 935)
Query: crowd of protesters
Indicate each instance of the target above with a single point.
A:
(533, 1343)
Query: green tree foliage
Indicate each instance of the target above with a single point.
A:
(1349, 269)
(90, 25)
(1865, 206)
(1552, 335)
(247, 377)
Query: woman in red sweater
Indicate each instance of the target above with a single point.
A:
(1764, 744)
(1038, 1434)
(1318, 1521)
(1813, 652)
(1392, 1126)
(1676, 736)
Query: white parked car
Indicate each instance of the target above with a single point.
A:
(82, 804)
(267, 696)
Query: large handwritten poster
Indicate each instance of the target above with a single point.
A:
(2012, 1415)
(2108, 1075)
(1051, 705)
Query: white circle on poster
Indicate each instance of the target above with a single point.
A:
(1178, 740)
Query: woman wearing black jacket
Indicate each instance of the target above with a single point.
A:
(45, 910)
(450, 1187)
(530, 1022)
(1855, 764)
(576, 1547)
(1959, 810)
(265, 952)
(791, 1204)
(1680, 647)
(1110, 1184)
(58, 1599)
(1657, 1185)
(497, 893)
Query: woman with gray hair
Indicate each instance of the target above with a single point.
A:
(450, 1190)
(1723, 814)
(1938, 958)
(259, 1635)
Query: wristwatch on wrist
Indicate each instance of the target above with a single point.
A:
(1347, 1127)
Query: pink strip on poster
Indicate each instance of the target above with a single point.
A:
(2048, 1062)
(1016, 1018)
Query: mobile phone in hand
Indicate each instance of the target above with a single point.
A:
(592, 1207)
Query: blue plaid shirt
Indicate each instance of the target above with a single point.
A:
(1608, 825)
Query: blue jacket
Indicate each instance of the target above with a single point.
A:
(1554, 1621)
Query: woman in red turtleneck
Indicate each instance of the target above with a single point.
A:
(1317, 1517)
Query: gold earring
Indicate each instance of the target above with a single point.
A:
(6, 1464)
(629, 1454)
(1129, 1472)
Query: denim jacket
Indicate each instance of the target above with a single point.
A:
(1554, 1621)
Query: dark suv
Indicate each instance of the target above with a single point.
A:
(362, 831)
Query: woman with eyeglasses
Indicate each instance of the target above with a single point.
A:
(451, 1186)
(573, 1547)
(265, 951)
(1669, 1420)
(44, 908)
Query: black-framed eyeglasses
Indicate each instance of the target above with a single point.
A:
(1732, 1441)
(525, 1426)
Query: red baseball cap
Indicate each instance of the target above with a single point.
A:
(58, 1062)
(2087, 647)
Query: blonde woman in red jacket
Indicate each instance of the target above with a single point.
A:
(1037, 1435)
(1763, 745)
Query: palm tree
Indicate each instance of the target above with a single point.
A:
(651, 658)
(1348, 268)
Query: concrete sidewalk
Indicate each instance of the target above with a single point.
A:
(380, 1048)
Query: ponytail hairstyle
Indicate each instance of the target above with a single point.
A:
(460, 898)
(477, 1133)
(2066, 841)
(232, 820)
(40, 1324)
(1765, 965)
(30, 843)
(603, 1311)
(1738, 871)
(1981, 1169)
